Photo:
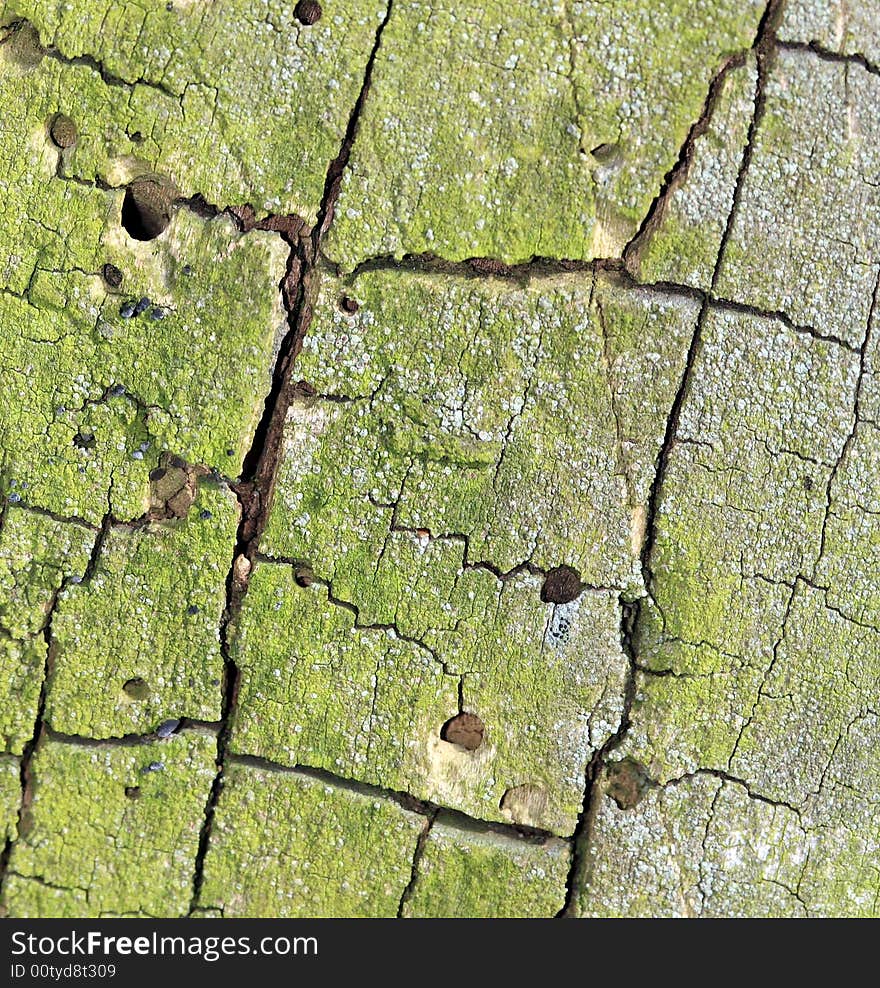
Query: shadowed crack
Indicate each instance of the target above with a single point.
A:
(422, 807)
(578, 875)
(827, 55)
(578, 880)
(260, 466)
(40, 726)
(418, 852)
(850, 439)
(677, 175)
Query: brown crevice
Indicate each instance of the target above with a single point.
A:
(677, 175)
(256, 486)
(827, 55)
(579, 874)
(612, 267)
(418, 852)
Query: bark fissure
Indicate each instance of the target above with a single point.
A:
(578, 880)
(260, 467)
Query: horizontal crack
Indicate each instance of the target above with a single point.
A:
(422, 807)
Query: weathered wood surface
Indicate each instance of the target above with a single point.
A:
(440, 458)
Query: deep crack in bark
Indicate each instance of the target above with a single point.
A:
(40, 726)
(578, 879)
(260, 466)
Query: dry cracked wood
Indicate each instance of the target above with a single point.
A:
(440, 452)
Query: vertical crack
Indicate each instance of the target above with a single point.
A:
(850, 439)
(676, 176)
(578, 875)
(25, 774)
(764, 49)
(260, 466)
(419, 851)
(578, 878)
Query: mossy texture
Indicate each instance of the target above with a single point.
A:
(802, 241)
(482, 875)
(287, 845)
(111, 831)
(708, 847)
(148, 614)
(190, 90)
(684, 246)
(521, 420)
(38, 557)
(838, 25)
(739, 528)
(546, 135)
(459, 434)
(92, 398)
(369, 703)
(10, 797)
(765, 646)
(491, 529)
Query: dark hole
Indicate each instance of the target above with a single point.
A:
(146, 209)
(112, 275)
(561, 585)
(136, 688)
(464, 729)
(84, 440)
(308, 11)
(304, 575)
(348, 305)
(627, 782)
(133, 792)
(808, 483)
(137, 137)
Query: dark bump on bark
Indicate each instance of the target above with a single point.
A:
(173, 487)
(63, 131)
(23, 46)
(465, 730)
(627, 783)
(308, 12)
(112, 275)
(133, 792)
(561, 585)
